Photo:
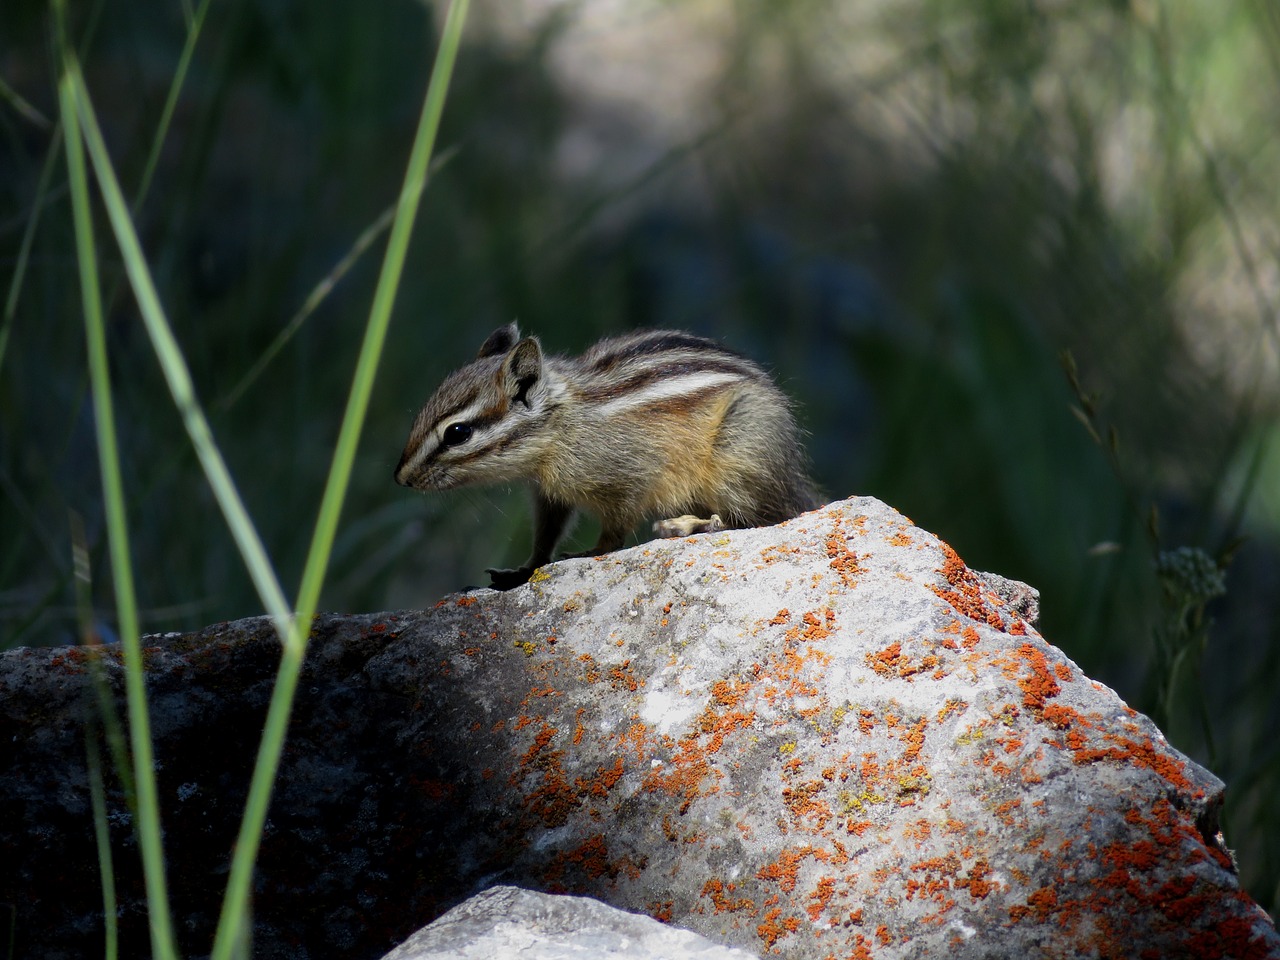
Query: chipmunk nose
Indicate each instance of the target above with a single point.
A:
(402, 472)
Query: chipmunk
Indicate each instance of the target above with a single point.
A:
(651, 423)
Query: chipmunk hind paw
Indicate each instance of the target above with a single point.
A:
(688, 525)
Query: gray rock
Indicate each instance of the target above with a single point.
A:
(1021, 598)
(507, 922)
(823, 739)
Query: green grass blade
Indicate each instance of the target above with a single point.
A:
(309, 306)
(93, 753)
(102, 835)
(195, 22)
(380, 313)
(28, 237)
(232, 922)
(174, 367)
(22, 107)
(318, 294)
(149, 833)
(108, 715)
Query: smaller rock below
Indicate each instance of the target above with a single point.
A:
(511, 922)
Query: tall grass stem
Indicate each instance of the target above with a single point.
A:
(195, 22)
(93, 752)
(28, 237)
(231, 922)
(149, 833)
(174, 366)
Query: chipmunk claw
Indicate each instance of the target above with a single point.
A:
(509, 579)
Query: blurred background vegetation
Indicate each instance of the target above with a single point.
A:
(908, 210)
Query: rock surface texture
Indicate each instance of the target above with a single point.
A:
(506, 923)
(821, 740)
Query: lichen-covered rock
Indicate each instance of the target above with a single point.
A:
(507, 922)
(824, 739)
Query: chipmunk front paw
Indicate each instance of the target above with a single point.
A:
(688, 525)
(507, 579)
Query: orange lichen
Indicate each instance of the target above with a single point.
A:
(914, 739)
(1040, 686)
(885, 662)
(622, 678)
(966, 596)
(1011, 743)
(1142, 753)
(691, 766)
(771, 930)
(554, 800)
(815, 629)
(590, 858)
(1004, 810)
(729, 693)
(660, 910)
(843, 560)
(947, 865)
(1039, 905)
(540, 743)
(785, 868)
(778, 551)
(821, 897)
(1059, 716)
(977, 883)
(720, 894)
(802, 802)
(603, 781)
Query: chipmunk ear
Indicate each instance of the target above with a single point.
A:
(522, 369)
(500, 341)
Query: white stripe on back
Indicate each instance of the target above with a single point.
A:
(682, 386)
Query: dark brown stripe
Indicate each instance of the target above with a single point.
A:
(599, 390)
(626, 349)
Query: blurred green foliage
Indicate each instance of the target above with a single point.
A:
(907, 210)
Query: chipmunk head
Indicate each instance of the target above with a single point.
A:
(481, 424)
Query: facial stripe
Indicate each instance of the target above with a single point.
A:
(431, 440)
(470, 413)
(412, 463)
(491, 434)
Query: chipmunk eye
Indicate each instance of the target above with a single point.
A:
(456, 433)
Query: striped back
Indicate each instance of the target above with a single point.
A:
(625, 373)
